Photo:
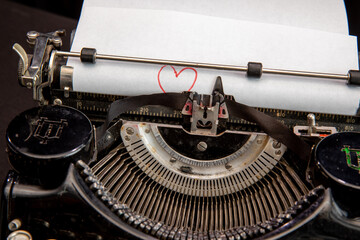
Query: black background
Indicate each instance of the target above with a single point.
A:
(20, 16)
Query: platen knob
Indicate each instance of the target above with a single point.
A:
(43, 141)
(338, 160)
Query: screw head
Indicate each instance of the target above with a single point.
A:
(202, 146)
(228, 166)
(127, 138)
(32, 35)
(276, 144)
(57, 101)
(130, 130)
(57, 41)
(172, 159)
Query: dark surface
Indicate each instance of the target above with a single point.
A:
(353, 10)
(67, 8)
(15, 21)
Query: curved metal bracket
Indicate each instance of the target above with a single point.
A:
(23, 57)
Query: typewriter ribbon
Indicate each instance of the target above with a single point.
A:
(269, 125)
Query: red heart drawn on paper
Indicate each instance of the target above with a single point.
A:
(177, 75)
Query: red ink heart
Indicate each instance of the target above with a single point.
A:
(176, 75)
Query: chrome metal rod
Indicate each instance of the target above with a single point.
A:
(208, 65)
(306, 74)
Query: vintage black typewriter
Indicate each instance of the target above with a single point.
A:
(172, 166)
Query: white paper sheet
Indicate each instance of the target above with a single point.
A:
(324, 15)
(183, 36)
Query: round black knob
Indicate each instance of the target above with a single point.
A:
(338, 159)
(43, 141)
(338, 155)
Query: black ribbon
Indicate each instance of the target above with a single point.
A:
(272, 127)
(269, 125)
(172, 100)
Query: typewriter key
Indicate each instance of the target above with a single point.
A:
(43, 141)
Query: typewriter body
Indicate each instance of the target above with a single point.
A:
(172, 166)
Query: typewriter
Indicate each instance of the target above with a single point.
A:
(172, 166)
